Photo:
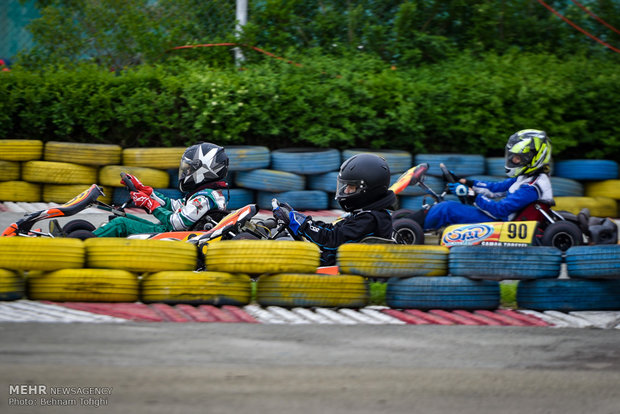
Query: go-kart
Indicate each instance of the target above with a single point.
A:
(537, 225)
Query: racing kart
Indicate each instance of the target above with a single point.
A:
(536, 225)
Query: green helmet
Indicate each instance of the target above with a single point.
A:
(527, 152)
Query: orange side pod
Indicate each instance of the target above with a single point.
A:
(10, 231)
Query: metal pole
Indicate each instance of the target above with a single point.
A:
(241, 19)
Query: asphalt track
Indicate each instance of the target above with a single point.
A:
(257, 368)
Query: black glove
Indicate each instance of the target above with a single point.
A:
(450, 177)
(281, 212)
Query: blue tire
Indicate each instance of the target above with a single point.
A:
(495, 166)
(247, 157)
(434, 183)
(505, 262)
(594, 262)
(587, 169)
(462, 165)
(270, 180)
(323, 182)
(299, 200)
(398, 161)
(568, 295)
(239, 197)
(447, 293)
(305, 160)
(566, 187)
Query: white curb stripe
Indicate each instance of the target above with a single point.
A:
(360, 317)
(13, 207)
(382, 317)
(555, 322)
(335, 316)
(573, 321)
(263, 315)
(287, 315)
(312, 316)
(600, 319)
(30, 311)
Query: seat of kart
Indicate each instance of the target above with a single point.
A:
(534, 212)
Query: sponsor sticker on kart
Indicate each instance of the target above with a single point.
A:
(511, 233)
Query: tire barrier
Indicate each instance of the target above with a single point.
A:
(323, 182)
(20, 191)
(11, 171)
(462, 165)
(238, 197)
(80, 153)
(434, 183)
(598, 206)
(160, 158)
(37, 253)
(270, 180)
(392, 260)
(607, 188)
(61, 193)
(12, 285)
(566, 187)
(139, 256)
(21, 149)
(568, 295)
(496, 166)
(247, 157)
(305, 161)
(594, 262)
(445, 292)
(309, 290)
(196, 288)
(84, 285)
(58, 173)
(587, 170)
(262, 256)
(505, 262)
(301, 200)
(416, 202)
(398, 161)
(111, 175)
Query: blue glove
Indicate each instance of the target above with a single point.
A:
(458, 189)
(285, 214)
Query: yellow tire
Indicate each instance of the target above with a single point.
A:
(212, 288)
(9, 171)
(58, 173)
(80, 153)
(162, 158)
(607, 188)
(61, 193)
(262, 256)
(20, 191)
(309, 290)
(111, 176)
(392, 260)
(21, 149)
(84, 285)
(136, 255)
(38, 253)
(12, 285)
(598, 206)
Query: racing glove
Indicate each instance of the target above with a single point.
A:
(138, 185)
(141, 199)
(285, 214)
(458, 189)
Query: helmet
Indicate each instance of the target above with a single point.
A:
(363, 179)
(202, 164)
(527, 151)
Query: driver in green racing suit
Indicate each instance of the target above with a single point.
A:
(202, 172)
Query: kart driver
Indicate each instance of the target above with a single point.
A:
(202, 172)
(528, 153)
(363, 192)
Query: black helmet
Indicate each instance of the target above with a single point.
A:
(362, 180)
(202, 164)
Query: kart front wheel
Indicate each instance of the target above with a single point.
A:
(408, 231)
(562, 235)
(77, 224)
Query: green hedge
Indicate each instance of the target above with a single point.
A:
(470, 104)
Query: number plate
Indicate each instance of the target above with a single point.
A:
(512, 233)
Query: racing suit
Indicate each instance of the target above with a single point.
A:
(517, 194)
(173, 214)
(374, 220)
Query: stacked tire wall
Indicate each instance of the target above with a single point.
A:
(34, 171)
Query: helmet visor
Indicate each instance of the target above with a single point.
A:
(185, 168)
(348, 188)
(514, 160)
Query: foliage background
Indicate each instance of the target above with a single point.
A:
(425, 76)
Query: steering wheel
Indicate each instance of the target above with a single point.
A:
(448, 175)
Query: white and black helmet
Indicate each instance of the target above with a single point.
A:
(202, 164)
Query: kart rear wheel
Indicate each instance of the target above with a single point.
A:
(408, 231)
(81, 234)
(562, 235)
(78, 224)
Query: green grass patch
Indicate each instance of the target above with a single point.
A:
(377, 293)
(508, 294)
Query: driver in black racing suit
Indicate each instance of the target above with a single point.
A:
(362, 191)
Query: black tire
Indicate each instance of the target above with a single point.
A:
(81, 234)
(408, 231)
(562, 235)
(402, 213)
(78, 224)
(245, 236)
